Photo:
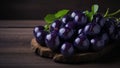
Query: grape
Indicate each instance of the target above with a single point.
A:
(112, 20)
(118, 31)
(105, 37)
(98, 18)
(66, 33)
(110, 28)
(67, 49)
(40, 34)
(65, 20)
(80, 19)
(92, 29)
(102, 22)
(97, 44)
(70, 25)
(82, 43)
(55, 26)
(52, 41)
(74, 13)
(118, 26)
(37, 29)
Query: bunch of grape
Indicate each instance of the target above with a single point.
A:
(75, 33)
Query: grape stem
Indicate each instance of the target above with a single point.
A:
(112, 14)
(106, 13)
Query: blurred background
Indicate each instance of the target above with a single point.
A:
(37, 9)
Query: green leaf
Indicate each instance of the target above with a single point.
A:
(93, 11)
(90, 16)
(106, 13)
(86, 12)
(61, 13)
(46, 27)
(49, 18)
(94, 8)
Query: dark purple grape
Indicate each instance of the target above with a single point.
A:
(92, 29)
(118, 31)
(116, 34)
(102, 22)
(97, 44)
(82, 43)
(112, 20)
(105, 37)
(52, 41)
(67, 49)
(74, 13)
(118, 25)
(66, 33)
(40, 37)
(65, 20)
(39, 34)
(55, 25)
(71, 25)
(80, 19)
(110, 28)
(98, 18)
(38, 28)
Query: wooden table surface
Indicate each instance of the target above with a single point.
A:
(15, 49)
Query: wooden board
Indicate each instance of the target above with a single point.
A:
(77, 58)
(40, 50)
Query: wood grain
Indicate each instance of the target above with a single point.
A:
(20, 23)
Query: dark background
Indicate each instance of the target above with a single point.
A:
(37, 9)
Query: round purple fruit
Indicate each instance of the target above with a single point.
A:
(97, 44)
(55, 26)
(92, 29)
(80, 19)
(40, 34)
(67, 49)
(66, 33)
(82, 43)
(52, 41)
